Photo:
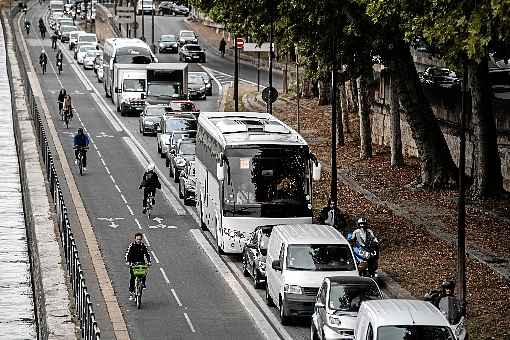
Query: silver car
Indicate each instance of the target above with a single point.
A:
(150, 117)
(337, 306)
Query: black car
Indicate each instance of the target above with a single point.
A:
(150, 118)
(197, 87)
(439, 77)
(254, 255)
(166, 7)
(207, 80)
(168, 43)
(192, 52)
(182, 151)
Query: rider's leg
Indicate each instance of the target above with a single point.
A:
(153, 191)
(75, 154)
(131, 281)
(84, 158)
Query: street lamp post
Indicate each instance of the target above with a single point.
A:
(143, 22)
(297, 88)
(236, 77)
(135, 28)
(152, 31)
(271, 14)
(333, 194)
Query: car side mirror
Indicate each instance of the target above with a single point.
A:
(319, 305)
(220, 173)
(276, 265)
(316, 171)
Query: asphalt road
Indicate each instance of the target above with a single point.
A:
(189, 295)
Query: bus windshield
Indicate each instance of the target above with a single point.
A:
(267, 181)
(133, 55)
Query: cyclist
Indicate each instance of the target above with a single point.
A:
(135, 254)
(54, 38)
(68, 106)
(150, 182)
(43, 60)
(27, 26)
(60, 59)
(81, 140)
(42, 28)
(61, 96)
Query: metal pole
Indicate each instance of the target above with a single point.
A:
(333, 194)
(270, 102)
(143, 22)
(461, 205)
(258, 71)
(236, 77)
(152, 31)
(135, 28)
(297, 90)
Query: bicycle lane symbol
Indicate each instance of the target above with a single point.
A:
(112, 220)
(160, 225)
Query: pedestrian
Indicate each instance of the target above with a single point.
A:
(331, 215)
(223, 45)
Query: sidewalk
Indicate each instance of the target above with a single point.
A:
(405, 219)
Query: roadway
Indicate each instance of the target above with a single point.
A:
(192, 292)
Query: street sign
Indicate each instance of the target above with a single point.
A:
(125, 15)
(240, 42)
(265, 94)
(253, 47)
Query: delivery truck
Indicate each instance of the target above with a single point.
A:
(166, 82)
(130, 87)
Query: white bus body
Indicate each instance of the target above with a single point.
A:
(123, 51)
(251, 170)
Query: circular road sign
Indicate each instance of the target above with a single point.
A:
(265, 94)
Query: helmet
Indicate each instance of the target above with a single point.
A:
(362, 222)
(448, 284)
(80, 130)
(150, 167)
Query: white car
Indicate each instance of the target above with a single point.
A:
(82, 52)
(90, 57)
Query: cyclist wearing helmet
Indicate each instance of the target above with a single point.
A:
(81, 140)
(150, 182)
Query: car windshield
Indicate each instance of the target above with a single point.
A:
(348, 297)
(66, 29)
(193, 48)
(178, 135)
(187, 34)
(267, 181)
(414, 333)
(180, 124)
(187, 148)
(92, 53)
(440, 72)
(195, 78)
(157, 110)
(164, 90)
(133, 55)
(87, 38)
(168, 38)
(134, 85)
(87, 48)
(320, 257)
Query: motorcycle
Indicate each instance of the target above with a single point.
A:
(449, 306)
(367, 257)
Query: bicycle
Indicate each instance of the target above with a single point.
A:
(150, 204)
(79, 158)
(59, 66)
(140, 271)
(43, 66)
(68, 115)
(61, 109)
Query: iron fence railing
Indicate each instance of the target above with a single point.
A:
(83, 302)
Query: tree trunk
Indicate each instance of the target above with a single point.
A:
(353, 95)
(365, 131)
(344, 107)
(487, 177)
(324, 90)
(397, 159)
(437, 167)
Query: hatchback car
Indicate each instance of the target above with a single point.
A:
(175, 137)
(192, 53)
(254, 255)
(183, 152)
(168, 43)
(187, 37)
(337, 306)
(187, 183)
(196, 86)
(150, 117)
(207, 80)
(184, 106)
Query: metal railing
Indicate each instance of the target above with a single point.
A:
(84, 311)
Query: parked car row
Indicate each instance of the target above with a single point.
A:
(171, 8)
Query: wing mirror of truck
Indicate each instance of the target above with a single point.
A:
(276, 265)
(319, 304)
(117, 90)
(220, 174)
(142, 96)
(316, 171)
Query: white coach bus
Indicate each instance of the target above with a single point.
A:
(123, 51)
(251, 170)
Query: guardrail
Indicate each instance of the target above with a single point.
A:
(84, 311)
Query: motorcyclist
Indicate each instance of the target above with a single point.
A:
(136, 253)
(43, 60)
(150, 182)
(364, 240)
(81, 140)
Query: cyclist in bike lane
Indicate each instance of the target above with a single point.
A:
(136, 254)
(150, 182)
(81, 140)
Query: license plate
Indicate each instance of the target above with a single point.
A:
(196, 57)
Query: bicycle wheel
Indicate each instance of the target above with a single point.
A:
(139, 290)
(66, 119)
(80, 165)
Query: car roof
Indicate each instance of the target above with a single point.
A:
(179, 115)
(390, 312)
(351, 280)
(310, 234)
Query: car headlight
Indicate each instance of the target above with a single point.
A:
(334, 321)
(174, 45)
(161, 45)
(292, 289)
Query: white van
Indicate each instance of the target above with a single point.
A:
(397, 319)
(90, 38)
(299, 257)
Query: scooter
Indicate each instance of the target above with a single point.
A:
(367, 257)
(450, 307)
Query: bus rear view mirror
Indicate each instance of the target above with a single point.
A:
(316, 171)
(219, 172)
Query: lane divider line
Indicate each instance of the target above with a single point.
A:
(154, 256)
(164, 275)
(176, 297)
(189, 323)
(146, 240)
(138, 223)
(130, 210)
